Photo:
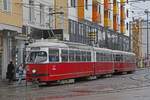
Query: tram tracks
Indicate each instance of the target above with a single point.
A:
(135, 83)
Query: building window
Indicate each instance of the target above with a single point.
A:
(50, 17)
(99, 9)
(81, 29)
(1, 41)
(127, 26)
(73, 3)
(31, 10)
(109, 15)
(72, 27)
(127, 13)
(118, 19)
(86, 4)
(6, 5)
(41, 14)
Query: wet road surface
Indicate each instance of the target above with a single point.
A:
(134, 86)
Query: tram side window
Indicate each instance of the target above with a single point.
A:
(64, 55)
(126, 58)
(71, 55)
(83, 53)
(106, 57)
(98, 56)
(121, 57)
(109, 57)
(53, 55)
(88, 56)
(102, 57)
(78, 56)
(130, 59)
(117, 58)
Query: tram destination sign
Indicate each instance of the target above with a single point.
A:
(35, 48)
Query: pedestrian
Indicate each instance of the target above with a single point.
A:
(10, 72)
(20, 73)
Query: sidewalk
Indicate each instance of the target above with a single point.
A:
(4, 83)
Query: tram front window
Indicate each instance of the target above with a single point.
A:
(37, 57)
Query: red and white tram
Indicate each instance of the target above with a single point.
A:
(124, 61)
(52, 61)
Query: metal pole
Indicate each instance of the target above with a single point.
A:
(147, 38)
(146, 11)
(130, 36)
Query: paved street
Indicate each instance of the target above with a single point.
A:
(119, 87)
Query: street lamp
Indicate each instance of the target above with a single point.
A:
(146, 11)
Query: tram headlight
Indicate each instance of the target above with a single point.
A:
(33, 71)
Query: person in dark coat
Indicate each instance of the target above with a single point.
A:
(10, 71)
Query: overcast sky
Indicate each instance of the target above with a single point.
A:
(137, 9)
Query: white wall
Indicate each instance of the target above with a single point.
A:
(144, 39)
(5, 57)
(36, 22)
(127, 19)
(88, 13)
(102, 13)
(111, 13)
(72, 12)
(118, 19)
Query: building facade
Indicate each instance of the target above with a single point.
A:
(137, 38)
(38, 17)
(145, 47)
(94, 22)
(10, 29)
(101, 23)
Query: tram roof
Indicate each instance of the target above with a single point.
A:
(102, 49)
(78, 46)
(59, 44)
(66, 44)
(47, 44)
(131, 53)
(122, 52)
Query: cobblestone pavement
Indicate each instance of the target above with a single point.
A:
(134, 86)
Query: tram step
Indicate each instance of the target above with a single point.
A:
(67, 81)
(92, 78)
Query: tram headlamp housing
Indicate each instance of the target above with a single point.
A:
(33, 71)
